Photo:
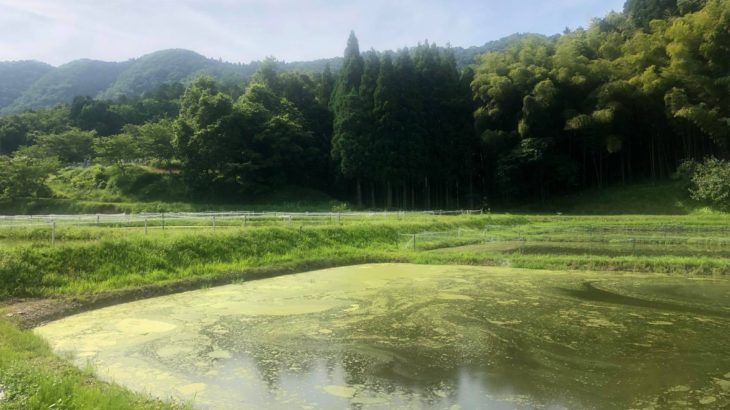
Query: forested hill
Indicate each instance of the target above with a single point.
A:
(634, 97)
(30, 85)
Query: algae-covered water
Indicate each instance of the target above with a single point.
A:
(410, 336)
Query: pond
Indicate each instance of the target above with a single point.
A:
(414, 336)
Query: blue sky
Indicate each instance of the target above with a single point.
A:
(58, 31)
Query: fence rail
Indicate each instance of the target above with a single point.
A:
(702, 240)
(203, 220)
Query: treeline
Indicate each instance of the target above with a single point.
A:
(627, 99)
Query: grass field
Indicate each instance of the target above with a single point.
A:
(87, 263)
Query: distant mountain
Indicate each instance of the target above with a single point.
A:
(62, 84)
(29, 85)
(168, 66)
(18, 76)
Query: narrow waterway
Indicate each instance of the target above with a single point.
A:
(411, 336)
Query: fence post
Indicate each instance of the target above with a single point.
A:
(97, 220)
(53, 232)
(414, 241)
(290, 220)
(338, 219)
(213, 222)
(163, 221)
(145, 225)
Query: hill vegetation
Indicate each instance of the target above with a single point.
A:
(626, 100)
(62, 84)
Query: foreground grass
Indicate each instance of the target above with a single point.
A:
(91, 261)
(32, 377)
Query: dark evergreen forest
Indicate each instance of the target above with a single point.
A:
(627, 99)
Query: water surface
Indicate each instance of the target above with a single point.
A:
(411, 336)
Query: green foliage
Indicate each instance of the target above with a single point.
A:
(711, 182)
(118, 149)
(606, 104)
(72, 146)
(642, 12)
(116, 184)
(22, 176)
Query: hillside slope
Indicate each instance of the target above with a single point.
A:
(18, 76)
(62, 84)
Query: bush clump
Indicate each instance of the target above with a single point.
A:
(708, 181)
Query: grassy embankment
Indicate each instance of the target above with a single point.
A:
(134, 189)
(32, 377)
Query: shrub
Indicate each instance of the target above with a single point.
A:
(710, 183)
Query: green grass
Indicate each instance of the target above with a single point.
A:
(660, 198)
(89, 261)
(32, 377)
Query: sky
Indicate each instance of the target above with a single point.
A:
(59, 31)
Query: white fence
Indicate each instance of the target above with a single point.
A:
(205, 220)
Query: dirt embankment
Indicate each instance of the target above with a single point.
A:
(32, 312)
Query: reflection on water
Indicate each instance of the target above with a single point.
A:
(407, 336)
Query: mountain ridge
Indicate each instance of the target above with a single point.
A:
(27, 85)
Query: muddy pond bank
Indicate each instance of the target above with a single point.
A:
(413, 336)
